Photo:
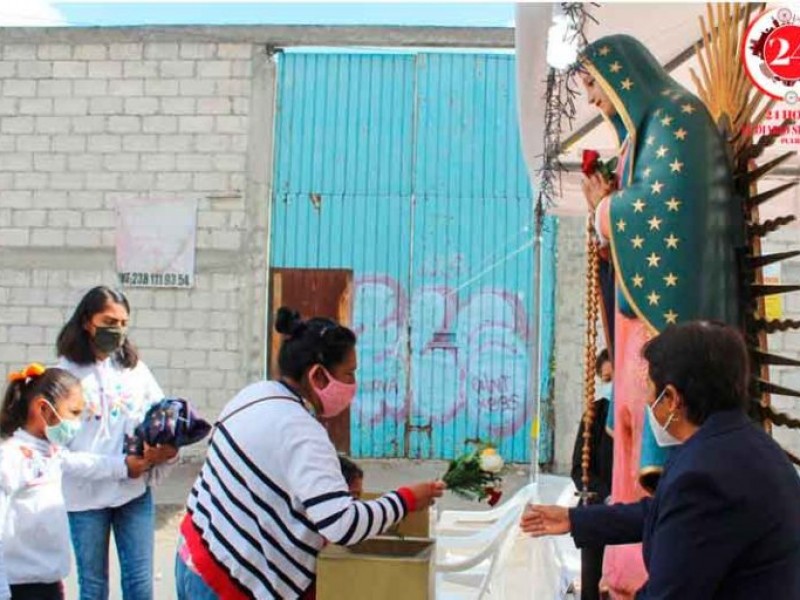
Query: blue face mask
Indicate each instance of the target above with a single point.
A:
(63, 433)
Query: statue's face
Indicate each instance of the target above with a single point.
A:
(597, 97)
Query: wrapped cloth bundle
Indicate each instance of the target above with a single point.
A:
(171, 421)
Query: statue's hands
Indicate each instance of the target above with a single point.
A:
(595, 188)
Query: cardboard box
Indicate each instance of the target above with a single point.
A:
(382, 568)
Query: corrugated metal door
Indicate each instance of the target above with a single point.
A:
(407, 169)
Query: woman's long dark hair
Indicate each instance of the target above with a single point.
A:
(75, 343)
(51, 385)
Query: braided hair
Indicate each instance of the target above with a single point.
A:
(310, 342)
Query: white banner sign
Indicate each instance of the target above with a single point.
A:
(156, 243)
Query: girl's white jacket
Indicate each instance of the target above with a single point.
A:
(34, 531)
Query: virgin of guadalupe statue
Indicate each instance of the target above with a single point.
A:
(674, 237)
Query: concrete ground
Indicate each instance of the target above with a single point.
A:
(170, 497)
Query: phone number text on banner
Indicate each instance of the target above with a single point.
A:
(174, 280)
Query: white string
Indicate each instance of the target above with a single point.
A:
(493, 266)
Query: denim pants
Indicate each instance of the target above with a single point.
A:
(134, 532)
(189, 585)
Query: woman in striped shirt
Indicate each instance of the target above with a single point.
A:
(271, 493)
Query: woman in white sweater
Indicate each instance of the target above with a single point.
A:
(39, 416)
(271, 492)
(119, 389)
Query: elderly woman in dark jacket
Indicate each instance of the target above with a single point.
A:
(725, 520)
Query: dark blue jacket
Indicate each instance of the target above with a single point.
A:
(724, 523)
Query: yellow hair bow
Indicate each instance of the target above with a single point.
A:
(32, 370)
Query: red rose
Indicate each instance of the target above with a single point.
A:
(494, 496)
(589, 163)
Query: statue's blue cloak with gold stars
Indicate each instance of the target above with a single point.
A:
(676, 231)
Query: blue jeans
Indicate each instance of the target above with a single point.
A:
(189, 585)
(134, 530)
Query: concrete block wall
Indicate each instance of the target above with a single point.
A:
(86, 127)
(570, 337)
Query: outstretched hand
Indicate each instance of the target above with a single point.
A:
(540, 519)
(427, 492)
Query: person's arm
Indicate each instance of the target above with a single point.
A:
(698, 535)
(96, 467)
(315, 478)
(602, 451)
(577, 451)
(608, 525)
(596, 484)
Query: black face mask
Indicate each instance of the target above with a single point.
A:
(109, 339)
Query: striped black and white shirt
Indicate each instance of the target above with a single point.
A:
(271, 493)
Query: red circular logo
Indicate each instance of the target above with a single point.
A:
(771, 53)
(782, 52)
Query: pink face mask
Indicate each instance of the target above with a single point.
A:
(335, 396)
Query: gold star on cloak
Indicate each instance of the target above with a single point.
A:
(653, 298)
(675, 166)
(671, 280)
(639, 205)
(637, 242)
(638, 280)
(680, 134)
(647, 172)
(671, 317)
(653, 260)
(604, 51)
(666, 92)
(662, 151)
(615, 67)
(655, 223)
(657, 187)
(687, 109)
(621, 225)
(651, 140)
(666, 121)
(627, 83)
(672, 241)
(673, 204)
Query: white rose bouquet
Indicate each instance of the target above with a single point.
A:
(477, 474)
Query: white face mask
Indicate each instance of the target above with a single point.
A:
(663, 437)
(604, 390)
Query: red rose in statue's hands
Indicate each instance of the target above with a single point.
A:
(589, 162)
(592, 164)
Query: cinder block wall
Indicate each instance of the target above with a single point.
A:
(85, 127)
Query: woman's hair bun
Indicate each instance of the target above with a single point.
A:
(288, 321)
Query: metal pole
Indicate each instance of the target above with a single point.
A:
(535, 392)
(532, 23)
